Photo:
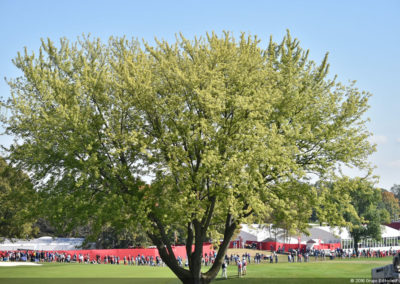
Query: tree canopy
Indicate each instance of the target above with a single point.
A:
(396, 190)
(391, 204)
(354, 203)
(366, 216)
(18, 202)
(227, 131)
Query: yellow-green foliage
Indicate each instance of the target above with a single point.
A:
(223, 126)
(18, 203)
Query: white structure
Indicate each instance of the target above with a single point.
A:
(326, 235)
(318, 235)
(264, 233)
(43, 243)
(390, 238)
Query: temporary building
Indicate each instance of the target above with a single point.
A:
(43, 243)
(319, 237)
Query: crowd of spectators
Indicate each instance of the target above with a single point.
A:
(323, 254)
(299, 255)
(50, 256)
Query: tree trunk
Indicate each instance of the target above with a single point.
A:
(194, 274)
(230, 227)
(356, 240)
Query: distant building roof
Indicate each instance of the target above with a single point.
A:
(394, 225)
(264, 233)
(324, 234)
(389, 232)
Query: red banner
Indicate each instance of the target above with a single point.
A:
(179, 251)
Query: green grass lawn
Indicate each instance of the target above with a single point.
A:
(336, 271)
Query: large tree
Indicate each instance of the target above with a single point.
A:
(18, 203)
(224, 128)
(360, 204)
(396, 190)
(391, 204)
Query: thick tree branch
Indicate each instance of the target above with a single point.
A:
(198, 248)
(169, 259)
(189, 242)
(163, 234)
(205, 223)
(230, 227)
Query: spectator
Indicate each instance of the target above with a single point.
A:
(224, 270)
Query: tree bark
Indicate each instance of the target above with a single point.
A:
(230, 227)
(356, 240)
(194, 274)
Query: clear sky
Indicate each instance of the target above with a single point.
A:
(361, 36)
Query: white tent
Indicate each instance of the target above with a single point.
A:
(255, 233)
(264, 233)
(43, 243)
(326, 234)
(336, 234)
(388, 232)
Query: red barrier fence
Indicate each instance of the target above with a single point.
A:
(179, 251)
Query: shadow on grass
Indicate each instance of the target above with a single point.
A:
(236, 279)
(231, 279)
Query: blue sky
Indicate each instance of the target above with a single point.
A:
(361, 36)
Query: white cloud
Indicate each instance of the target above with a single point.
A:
(398, 140)
(395, 164)
(378, 139)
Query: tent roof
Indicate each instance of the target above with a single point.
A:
(254, 232)
(43, 243)
(323, 234)
(388, 232)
